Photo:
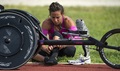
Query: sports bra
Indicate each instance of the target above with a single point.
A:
(51, 31)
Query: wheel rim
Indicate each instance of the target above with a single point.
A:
(111, 57)
(16, 25)
(8, 40)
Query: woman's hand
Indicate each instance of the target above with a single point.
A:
(59, 46)
(57, 38)
(50, 48)
(47, 49)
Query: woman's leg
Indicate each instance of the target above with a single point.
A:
(68, 51)
(38, 57)
(82, 27)
(86, 50)
(54, 53)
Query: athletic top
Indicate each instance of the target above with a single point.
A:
(51, 31)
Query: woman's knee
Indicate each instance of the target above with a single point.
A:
(56, 33)
(70, 51)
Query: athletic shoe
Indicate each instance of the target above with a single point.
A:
(80, 61)
(46, 59)
(51, 61)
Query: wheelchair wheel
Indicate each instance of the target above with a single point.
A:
(111, 56)
(19, 38)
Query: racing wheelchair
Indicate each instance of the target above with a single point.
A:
(21, 37)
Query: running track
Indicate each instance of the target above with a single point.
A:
(64, 67)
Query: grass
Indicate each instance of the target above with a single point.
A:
(99, 20)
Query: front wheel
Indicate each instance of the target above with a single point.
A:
(111, 56)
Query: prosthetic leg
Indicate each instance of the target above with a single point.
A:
(82, 27)
(86, 58)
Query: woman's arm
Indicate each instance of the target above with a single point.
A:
(70, 24)
(46, 26)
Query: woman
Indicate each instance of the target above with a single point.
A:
(53, 27)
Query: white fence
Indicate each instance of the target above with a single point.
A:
(63, 2)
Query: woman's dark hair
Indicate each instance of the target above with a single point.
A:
(55, 6)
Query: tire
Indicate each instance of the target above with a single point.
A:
(111, 56)
(19, 38)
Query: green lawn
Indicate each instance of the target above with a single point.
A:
(99, 20)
